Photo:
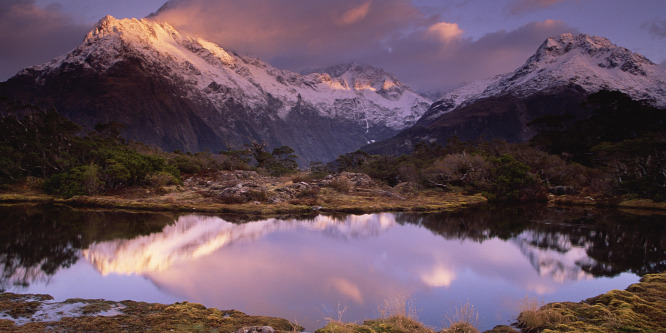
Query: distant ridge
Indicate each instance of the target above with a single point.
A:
(555, 80)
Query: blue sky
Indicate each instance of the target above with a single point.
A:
(431, 45)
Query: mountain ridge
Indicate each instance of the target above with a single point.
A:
(591, 62)
(555, 80)
(203, 88)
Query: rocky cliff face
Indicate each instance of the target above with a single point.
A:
(554, 81)
(178, 91)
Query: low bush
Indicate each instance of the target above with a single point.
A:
(341, 184)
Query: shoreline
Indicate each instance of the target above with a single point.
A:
(640, 307)
(335, 203)
(428, 202)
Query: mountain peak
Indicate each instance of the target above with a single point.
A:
(129, 28)
(605, 53)
(196, 95)
(587, 63)
(351, 67)
(362, 77)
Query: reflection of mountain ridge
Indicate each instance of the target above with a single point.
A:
(615, 241)
(37, 240)
(193, 236)
(560, 258)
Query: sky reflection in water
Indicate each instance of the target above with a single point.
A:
(306, 270)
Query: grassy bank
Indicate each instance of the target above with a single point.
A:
(248, 193)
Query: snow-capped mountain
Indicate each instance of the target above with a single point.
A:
(179, 91)
(589, 62)
(556, 80)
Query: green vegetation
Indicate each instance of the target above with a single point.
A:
(619, 150)
(616, 154)
(42, 143)
(36, 142)
(624, 141)
(499, 170)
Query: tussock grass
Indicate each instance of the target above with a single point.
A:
(463, 320)
(534, 316)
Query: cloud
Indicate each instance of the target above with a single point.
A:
(423, 50)
(297, 33)
(429, 65)
(656, 28)
(355, 14)
(31, 35)
(446, 31)
(523, 6)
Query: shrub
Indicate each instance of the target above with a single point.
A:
(302, 177)
(310, 193)
(162, 178)
(257, 195)
(509, 179)
(90, 179)
(469, 171)
(341, 184)
(67, 184)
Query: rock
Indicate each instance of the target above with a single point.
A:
(256, 329)
(562, 190)
(358, 179)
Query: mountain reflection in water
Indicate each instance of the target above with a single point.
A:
(301, 268)
(194, 236)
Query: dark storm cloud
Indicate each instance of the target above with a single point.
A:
(32, 35)
(421, 49)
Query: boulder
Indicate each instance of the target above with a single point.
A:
(256, 329)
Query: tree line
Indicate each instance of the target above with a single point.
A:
(619, 150)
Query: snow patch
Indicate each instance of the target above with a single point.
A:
(592, 63)
(51, 310)
(356, 92)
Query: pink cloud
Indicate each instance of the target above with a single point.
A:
(355, 14)
(423, 50)
(446, 31)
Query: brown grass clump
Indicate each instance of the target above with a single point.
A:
(463, 320)
(639, 308)
(341, 184)
(396, 315)
(534, 316)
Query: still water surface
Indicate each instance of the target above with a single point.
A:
(310, 268)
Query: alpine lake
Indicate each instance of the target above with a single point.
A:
(310, 268)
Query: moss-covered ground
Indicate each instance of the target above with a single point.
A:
(639, 308)
(132, 317)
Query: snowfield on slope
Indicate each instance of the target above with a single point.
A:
(361, 93)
